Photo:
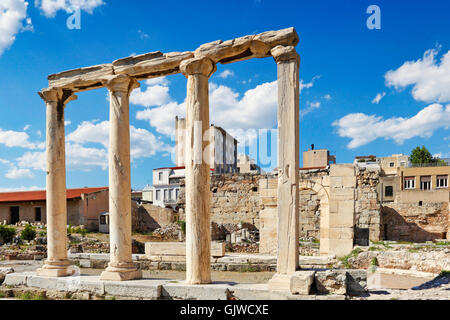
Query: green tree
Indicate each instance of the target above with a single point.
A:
(28, 233)
(420, 156)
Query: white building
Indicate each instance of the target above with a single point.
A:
(224, 150)
(166, 186)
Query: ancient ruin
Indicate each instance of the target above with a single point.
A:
(120, 78)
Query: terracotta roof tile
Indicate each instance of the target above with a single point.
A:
(40, 195)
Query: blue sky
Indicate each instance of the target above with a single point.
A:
(344, 67)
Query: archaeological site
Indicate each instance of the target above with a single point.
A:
(212, 223)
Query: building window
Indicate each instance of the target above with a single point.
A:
(158, 195)
(388, 191)
(103, 220)
(14, 215)
(177, 192)
(425, 183)
(442, 182)
(403, 164)
(165, 194)
(410, 182)
(160, 176)
(391, 164)
(37, 214)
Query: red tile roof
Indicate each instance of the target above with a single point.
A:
(40, 195)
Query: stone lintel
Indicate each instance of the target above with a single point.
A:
(247, 47)
(151, 65)
(81, 79)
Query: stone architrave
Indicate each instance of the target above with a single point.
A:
(198, 195)
(121, 266)
(57, 263)
(288, 62)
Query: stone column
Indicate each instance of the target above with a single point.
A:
(57, 264)
(121, 265)
(288, 62)
(198, 195)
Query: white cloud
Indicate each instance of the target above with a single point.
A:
(18, 139)
(363, 129)
(327, 97)
(153, 95)
(13, 13)
(142, 34)
(26, 127)
(378, 98)
(308, 85)
(16, 173)
(162, 118)
(311, 106)
(143, 143)
(67, 123)
(430, 79)
(4, 161)
(50, 7)
(225, 74)
(33, 188)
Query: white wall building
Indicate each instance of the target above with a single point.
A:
(166, 186)
(223, 150)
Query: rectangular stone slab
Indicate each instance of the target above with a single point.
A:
(179, 249)
(81, 79)
(151, 65)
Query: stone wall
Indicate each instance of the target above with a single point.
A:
(147, 217)
(235, 199)
(367, 207)
(410, 222)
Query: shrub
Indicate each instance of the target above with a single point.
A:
(7, 233)
(374, 262)
(182, 224)
(28, 233)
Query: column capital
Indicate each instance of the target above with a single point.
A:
(121, 83)
(284, 54)
(57, 95)
(201, 65)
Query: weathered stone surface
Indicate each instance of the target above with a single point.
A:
(301, 282)
(179, 249)
(81, 79)
(331, 281)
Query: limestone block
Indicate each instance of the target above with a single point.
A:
(331, 282)
(340, 247)
(342, 194)
(341, 170)
(341, 220)
(271, 202)
(81, 79)
(336, 182)
(280, 282)
(301, 282)
(272, 183)
(263, 183)
(340, 233)
(268, 193)
(268, 239)
(151, 65)
(179, 249)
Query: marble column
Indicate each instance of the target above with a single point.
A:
(198, 195)
(120, 267)
(288, 62)
(57, 264)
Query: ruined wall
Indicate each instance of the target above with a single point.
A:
(411, 222)
(368, 224)
(26, 211)
(309, 221)
(147, 217)
(235, 198)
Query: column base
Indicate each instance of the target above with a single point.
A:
(121, 275)
(280, 282)
(45, 271)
